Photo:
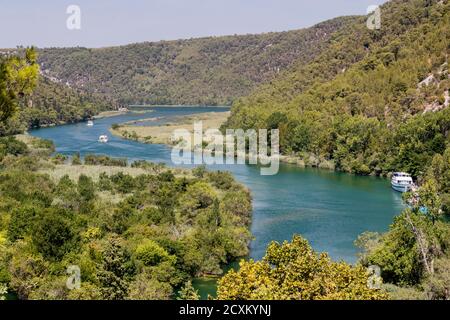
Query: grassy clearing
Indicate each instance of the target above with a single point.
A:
(163, 134)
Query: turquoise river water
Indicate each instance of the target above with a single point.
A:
(328, 208)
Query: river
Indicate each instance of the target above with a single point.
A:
(328, 208)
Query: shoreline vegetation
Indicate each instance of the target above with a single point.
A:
(178, 106)
(161, 226)
(109, 114)
(139, 231)
(374, 101)
(162, 134)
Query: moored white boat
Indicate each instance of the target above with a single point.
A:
(402, 182)
(103, 139)
(90, 123)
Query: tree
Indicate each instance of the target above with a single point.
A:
(145, 287)
(188, 292)
(198, 196)
(87, 291)
(294, 271)
(53, 235)
(114, 271)
(18, 77)
(437, 285)
(151, 254)
(429, 198)
(76, 159)
(3, 291)
(22, 219)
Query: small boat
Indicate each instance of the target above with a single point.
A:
(103, 139)
(402, 182)
(90, 123)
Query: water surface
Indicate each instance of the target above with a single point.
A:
(330, 209)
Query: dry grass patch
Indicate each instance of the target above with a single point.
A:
(163, 134)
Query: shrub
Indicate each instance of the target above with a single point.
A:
(43, 144)
(98, 160)
(151, 254)
(76, 159)
(10, 145)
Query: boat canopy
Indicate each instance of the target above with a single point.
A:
(402, 174)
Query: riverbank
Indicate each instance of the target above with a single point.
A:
(163, 134)
(175, 106)
(329, 208)
(109, 114)
(160, 220)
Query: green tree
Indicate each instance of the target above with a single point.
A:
(429, 198)
(437, 285)
(188, 292)
(76, 159)
(146, 287)
(3, 291)
(86, 188)
(114, 271)
(198, 196)
(53, 235)
(18, 77)
(22, 220)
(151, 254)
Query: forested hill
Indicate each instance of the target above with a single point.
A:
(48, 101)
(372, 102)
(206, 71)
(54, 103)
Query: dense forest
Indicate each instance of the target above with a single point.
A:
(370, 101)
(373, 102)
(54, 104)
(48, 102)
(207, 71)
(137, 233)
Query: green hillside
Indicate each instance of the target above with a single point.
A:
(373, 102)
(53, 103)
(206, 71)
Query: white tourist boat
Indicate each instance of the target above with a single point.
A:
(402, 182)
(90, 123)
(103, 139)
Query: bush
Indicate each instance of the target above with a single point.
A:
(43, 144)
(123, 183)
(59, 158)
(10, 145)
(200, 171)
(53, 236)
(97, 160)
(76, 159)
(86, 188)
(151, 254)
(221, 180)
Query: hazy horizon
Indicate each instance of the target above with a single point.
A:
(115, 23)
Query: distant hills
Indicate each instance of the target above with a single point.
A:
(373, 101)
(206, 71)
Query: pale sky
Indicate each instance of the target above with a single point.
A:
(112, 22)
